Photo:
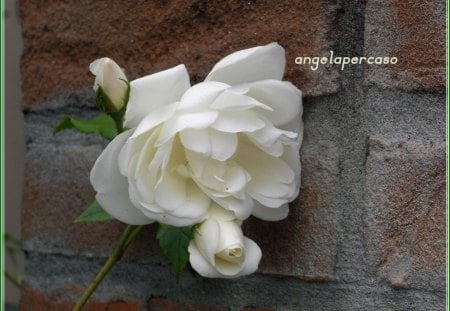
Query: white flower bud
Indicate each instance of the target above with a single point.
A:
(220, 249)
(111, 81)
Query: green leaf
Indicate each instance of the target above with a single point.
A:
(93, 213)
(103, 124)
(174, 242)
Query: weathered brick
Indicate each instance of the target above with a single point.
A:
(56, 191)
(164, 304)
(34, 299)
(412, 31)
(405, 202)
(305, 243)
(62, 38)
(113, 306)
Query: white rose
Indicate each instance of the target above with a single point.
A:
(112, 80)
(219, 249)
(233, 140)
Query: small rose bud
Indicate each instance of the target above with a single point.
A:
(111, 85)
(220, 249)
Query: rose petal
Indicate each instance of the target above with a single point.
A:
(270, 214)
(228, 269)
(241, 208)
(250, 157)
(252, 257)
(218, 145)
(271, 202)
(207, 239)
(219, 213)
(238, 121)
(292, 158)
(204, 167)
(195, 120)
(230, 234)
(155, 118)
(223, 145)
(112, 187)
(284, 98)
(269, 139)
(170, 192)
(254, 64)
(269, 135)
(199, 263)
(272, 185)
(235, 178)
(169, 219)
(295, 126)
(129, 150)
(229, 100)
(145, 155)
(96, 68)
(106, 164)
(159, 162)
(140, 201)
(196, 204)
(119, 206)
(153, 91)
(200, 96)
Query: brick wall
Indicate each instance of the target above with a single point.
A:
(367, 231)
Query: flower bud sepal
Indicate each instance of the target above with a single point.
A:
(105, 104)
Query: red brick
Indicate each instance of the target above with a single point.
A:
(62, 38)
(304, 244)
(33, 299)
(112, 306)
(412, 31)
(163, 304)
(406, 188)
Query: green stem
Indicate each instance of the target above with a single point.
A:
(132, 236)
(125, 241)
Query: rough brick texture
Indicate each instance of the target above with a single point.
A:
(405, 190)
(367, 231)
(62, 38)
(412, 31)
(57, 188)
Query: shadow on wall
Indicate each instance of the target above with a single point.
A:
(13, 139)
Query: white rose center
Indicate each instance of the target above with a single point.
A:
(234, 254)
